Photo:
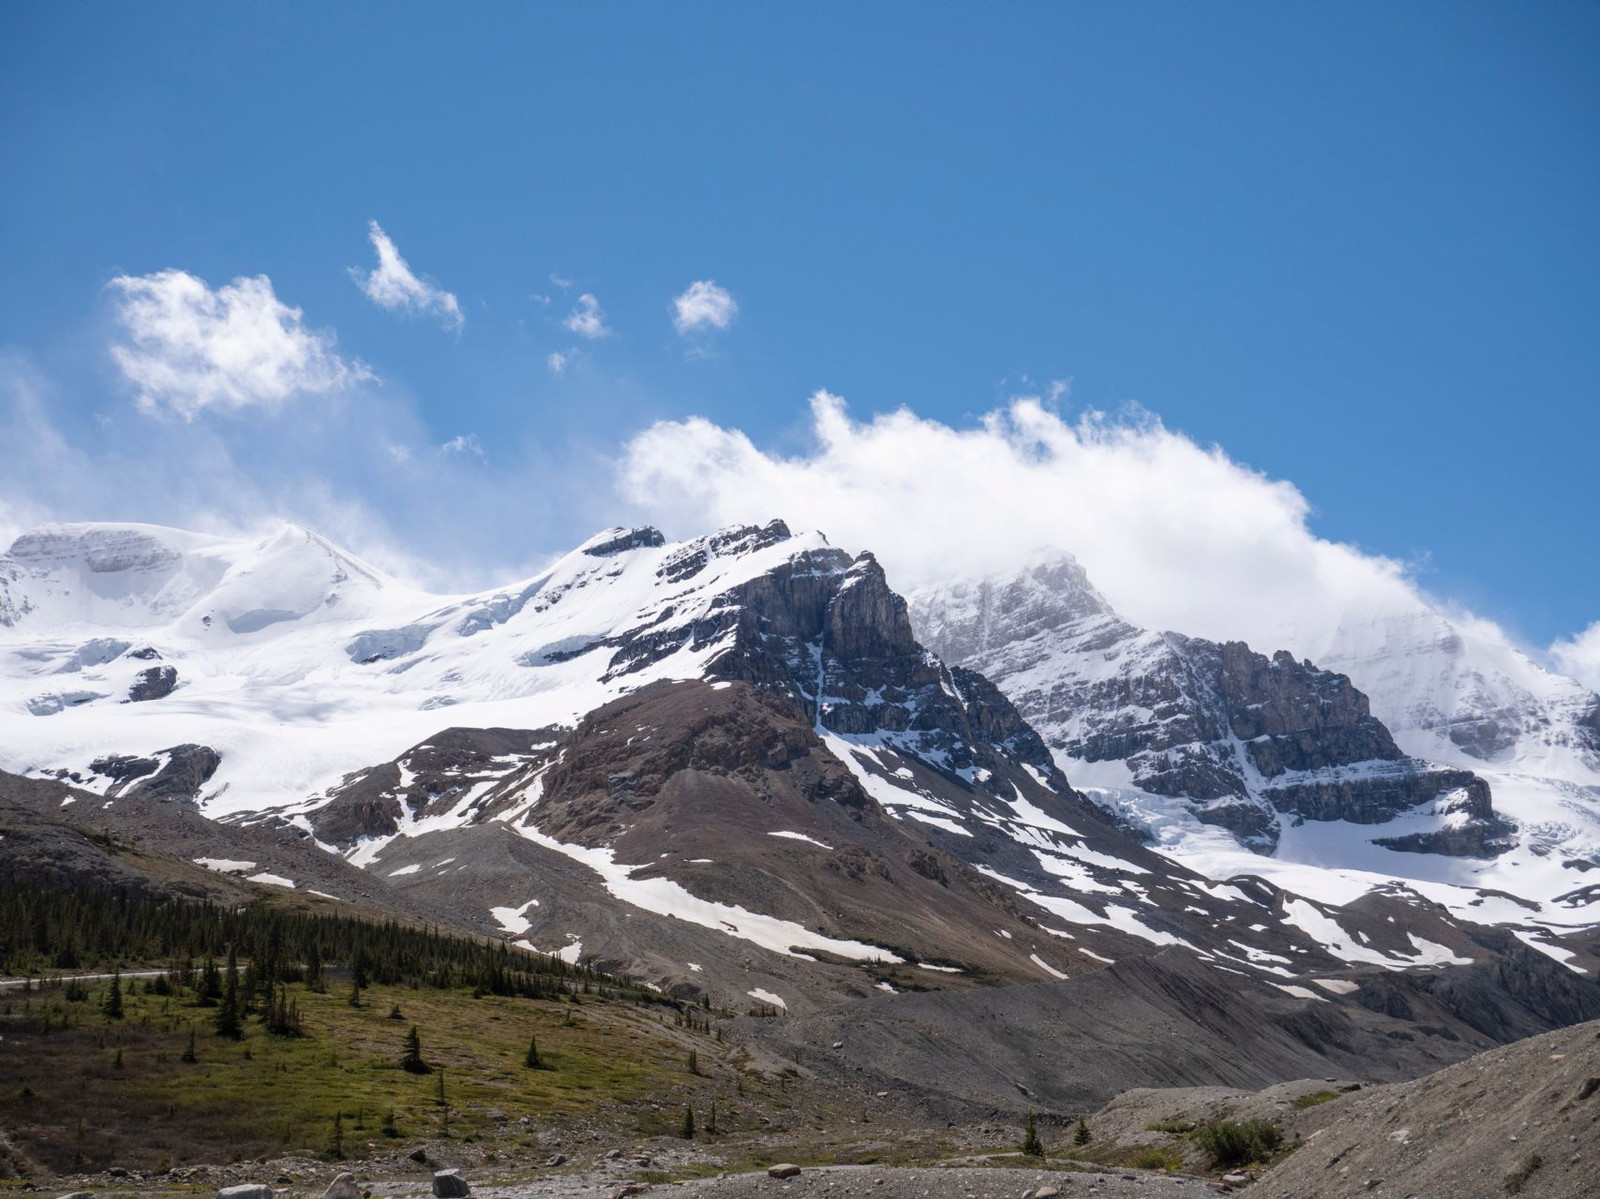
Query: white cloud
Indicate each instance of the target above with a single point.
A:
(393, 285)
(586, 319)
(1177, 535)
(466, 444)
(703, 306)
(1579, 656)
(188, 348)
(558, 361)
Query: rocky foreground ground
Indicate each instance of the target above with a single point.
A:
(926, 1182)
(1521, 1120)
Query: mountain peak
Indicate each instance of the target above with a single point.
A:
(962, 619)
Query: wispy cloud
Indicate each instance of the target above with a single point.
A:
(586, 318)
(392, 284)
(1579, 656)
(703, 306)
(558, 361)
(187, 348)
(465, 444)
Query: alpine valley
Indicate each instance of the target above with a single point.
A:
(989, 843)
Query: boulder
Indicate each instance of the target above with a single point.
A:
(448, 1184)
(418, 1155)
(784, 1170)
(343, 1187)
(247, 1190)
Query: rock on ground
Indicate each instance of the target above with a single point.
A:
(343, 1187)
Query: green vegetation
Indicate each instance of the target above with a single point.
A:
(1313, 1099)
(133, 1072)
(1178, 1127)
(1154, 1157)
(1231, 1143)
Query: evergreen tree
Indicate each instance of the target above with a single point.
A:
(711, 1120)
(314, 965)
(532, 1060)
(694, 1062)
(1081, 1137)
(229, 1023)
(189, 1054)
(112, 1007)
(411, 1056)
(687, 1131)
(336, 1137)
(210, 983)
(1031, 1144)
(389, 1128)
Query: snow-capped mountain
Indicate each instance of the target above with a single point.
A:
(1187, 736)
(653, 751)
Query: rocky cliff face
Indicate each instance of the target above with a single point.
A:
(1247, 739)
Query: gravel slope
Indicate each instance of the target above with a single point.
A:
(1520, 1120)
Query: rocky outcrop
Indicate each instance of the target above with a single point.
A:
(156, 682)
(615, 541)
(174, 774)
(429, 778)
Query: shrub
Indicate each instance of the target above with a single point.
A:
(1154, 1157)
(1236, 1144)
(1178, 1127)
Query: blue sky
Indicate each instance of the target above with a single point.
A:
(1352, 245)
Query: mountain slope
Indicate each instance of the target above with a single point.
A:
(726, 764)
(1186, 736)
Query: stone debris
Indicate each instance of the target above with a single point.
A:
(343, 1187)
(247, 1190)
(448, 1184)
